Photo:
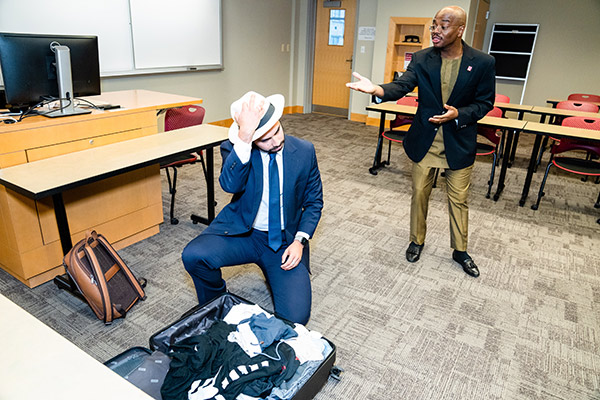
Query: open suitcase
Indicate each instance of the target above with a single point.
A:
(147, 368)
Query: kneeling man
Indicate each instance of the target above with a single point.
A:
(275, 208)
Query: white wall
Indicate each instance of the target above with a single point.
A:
(253, 33)
(566, 55)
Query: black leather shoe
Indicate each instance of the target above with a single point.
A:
(413, 253)
(468, 265)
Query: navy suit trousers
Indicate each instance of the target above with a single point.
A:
(204, 256)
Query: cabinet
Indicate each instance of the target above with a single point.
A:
(125, 208)
(406, 35)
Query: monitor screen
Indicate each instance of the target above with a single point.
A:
(29, 66)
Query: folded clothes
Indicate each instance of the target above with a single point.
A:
(259, 332)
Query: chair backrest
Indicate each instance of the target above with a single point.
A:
(404, 119)
(408, 101)
(494, 112)
(584, 97)
(487, 132)
(577, 105)
(182, 117)
(501, 98)
(567, 144)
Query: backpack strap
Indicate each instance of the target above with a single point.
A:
(108, 312)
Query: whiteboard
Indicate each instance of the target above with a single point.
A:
(162, 40)
(134, 36)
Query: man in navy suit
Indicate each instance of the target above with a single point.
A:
(456, 85)
(275, 208)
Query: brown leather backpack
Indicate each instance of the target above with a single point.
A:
(102, 277)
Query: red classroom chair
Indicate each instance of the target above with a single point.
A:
(485, 148)
(177, 118)
(584, 97)
(401, 121)
(570, 163)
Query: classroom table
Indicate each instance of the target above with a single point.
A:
(126, 208)
(38, 363)
(520, 109)
(52, 176)
(509, 125)
(541, 130)
(560, 112)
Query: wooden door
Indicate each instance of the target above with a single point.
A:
(334, 46)
(483, 7)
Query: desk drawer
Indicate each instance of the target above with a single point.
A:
(77, 130)
(41, 153)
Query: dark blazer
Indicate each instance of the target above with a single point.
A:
(473, 95)
(302, 190)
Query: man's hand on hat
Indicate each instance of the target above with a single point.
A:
(249, 118)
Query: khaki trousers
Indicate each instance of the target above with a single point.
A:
(457, 183)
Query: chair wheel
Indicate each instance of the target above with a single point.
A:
(487, 196)
(534, 207)
(373, 171)
(174, 221)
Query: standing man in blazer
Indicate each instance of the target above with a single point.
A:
(456, 86)
(255, 227)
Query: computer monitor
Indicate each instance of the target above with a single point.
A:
(29, 67)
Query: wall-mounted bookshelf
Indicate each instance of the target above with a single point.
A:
(406, 35)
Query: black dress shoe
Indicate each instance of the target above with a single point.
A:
(413, 253)
(467, 264)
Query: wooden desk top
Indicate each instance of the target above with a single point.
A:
(129, 100)
(563, 112)
(392, 108)
(53, 175)
(507, 123)
(38, 363)
(410, 110)
(557, 130)
(513, 107)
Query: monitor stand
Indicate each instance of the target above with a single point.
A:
(66, 112)
(65, 84)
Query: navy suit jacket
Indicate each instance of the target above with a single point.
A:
(302, 190)
(473, 95)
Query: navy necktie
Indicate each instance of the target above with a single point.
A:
(274, 205)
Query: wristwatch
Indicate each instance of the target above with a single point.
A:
(303, 241)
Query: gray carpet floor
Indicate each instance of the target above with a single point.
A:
(528, 328)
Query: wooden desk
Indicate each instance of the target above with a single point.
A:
(38, 363)
(541, 130)
(520, 109)
(509, 125)
(125, 208)
(555, 112)
(53, 176)
(383, 109)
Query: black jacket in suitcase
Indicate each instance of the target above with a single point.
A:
(146, 369)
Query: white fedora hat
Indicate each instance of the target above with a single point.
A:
(272, 111)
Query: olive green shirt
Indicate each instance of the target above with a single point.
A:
(436, 156)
